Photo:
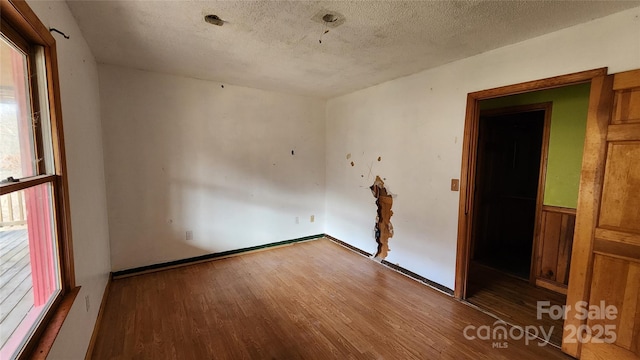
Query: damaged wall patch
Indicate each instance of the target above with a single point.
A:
(383, 227)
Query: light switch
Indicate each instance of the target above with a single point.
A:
(455, 184)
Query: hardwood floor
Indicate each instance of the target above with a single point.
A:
(311, 300)
(512, 299)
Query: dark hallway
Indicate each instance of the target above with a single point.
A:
(509, 149)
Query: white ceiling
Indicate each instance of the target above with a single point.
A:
(274, 44)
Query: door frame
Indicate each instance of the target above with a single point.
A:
(469, 154)
(542, 174)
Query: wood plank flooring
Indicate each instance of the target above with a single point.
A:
(16, 288)
(512, 300)
(311, 300)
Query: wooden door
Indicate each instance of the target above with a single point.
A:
(605, 269)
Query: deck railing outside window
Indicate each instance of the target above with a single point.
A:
(12, 210)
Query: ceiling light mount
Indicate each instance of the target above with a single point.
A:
(329, 18)
(214, 19)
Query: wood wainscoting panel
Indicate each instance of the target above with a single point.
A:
(554, 246)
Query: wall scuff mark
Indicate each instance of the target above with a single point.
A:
(383, 228)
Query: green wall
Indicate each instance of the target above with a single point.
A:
(568, 124)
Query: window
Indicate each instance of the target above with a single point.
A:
(36, 270)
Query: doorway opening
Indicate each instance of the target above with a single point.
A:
(509, 162)
(515, 231)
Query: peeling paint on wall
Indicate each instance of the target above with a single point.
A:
(383, 228)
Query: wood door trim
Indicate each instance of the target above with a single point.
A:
(542, 179)
(543, 84)
(469, 153)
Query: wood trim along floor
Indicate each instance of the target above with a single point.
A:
(208, 257)
(348, 246)
(214, 256)
(395, 267)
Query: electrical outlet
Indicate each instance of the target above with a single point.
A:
(297, 220)
(312, 218)
(189, 235)
(87, 303)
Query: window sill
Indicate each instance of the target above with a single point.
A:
(43, 344)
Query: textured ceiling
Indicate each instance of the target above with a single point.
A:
(274, 44)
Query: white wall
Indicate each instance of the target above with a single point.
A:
(184, 154)
(83, 139)
(416, 125)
